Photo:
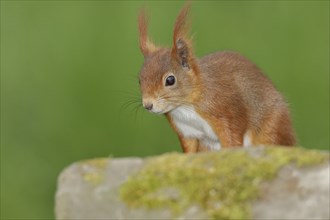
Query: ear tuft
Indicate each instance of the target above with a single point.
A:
(145, 45)
(182, 50)
(181, 27)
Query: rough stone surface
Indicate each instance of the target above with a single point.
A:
(296, 194)
(90, 190)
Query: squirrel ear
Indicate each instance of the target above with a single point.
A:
(181, 43)
(182, 53)
(145, 44)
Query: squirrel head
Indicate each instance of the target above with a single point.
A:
(169, 76)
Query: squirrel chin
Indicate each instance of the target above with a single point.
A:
(163, 111)
(158, 112)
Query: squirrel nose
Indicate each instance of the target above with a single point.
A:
(148, 106)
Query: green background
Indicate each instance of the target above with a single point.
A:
(68, 69)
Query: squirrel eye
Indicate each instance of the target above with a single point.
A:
(170, 80)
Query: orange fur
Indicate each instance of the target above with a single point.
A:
(146, 46)
(225, 89)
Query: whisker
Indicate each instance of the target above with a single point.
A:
(129, 94)
(137, 109)
(129, 103)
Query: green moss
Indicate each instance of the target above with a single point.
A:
(99, 163)
(93, 170)
(222, 183)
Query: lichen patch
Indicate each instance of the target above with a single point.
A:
(93, 170)
(223, 184)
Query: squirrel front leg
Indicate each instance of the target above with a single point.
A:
(189, 145)
(228, 135)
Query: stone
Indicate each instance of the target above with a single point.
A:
(100, 188)
(296, 194)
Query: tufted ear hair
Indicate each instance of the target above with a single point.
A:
(146, 45)
(182, 49)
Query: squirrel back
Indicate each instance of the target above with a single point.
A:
(220, 100)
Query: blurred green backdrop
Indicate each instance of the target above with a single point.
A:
(68, 68)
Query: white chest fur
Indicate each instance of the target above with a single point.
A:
(191, 125)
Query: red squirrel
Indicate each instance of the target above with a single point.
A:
(220, 100)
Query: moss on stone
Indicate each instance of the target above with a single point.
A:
(99, 163)
(222, 183)
(93, 170)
